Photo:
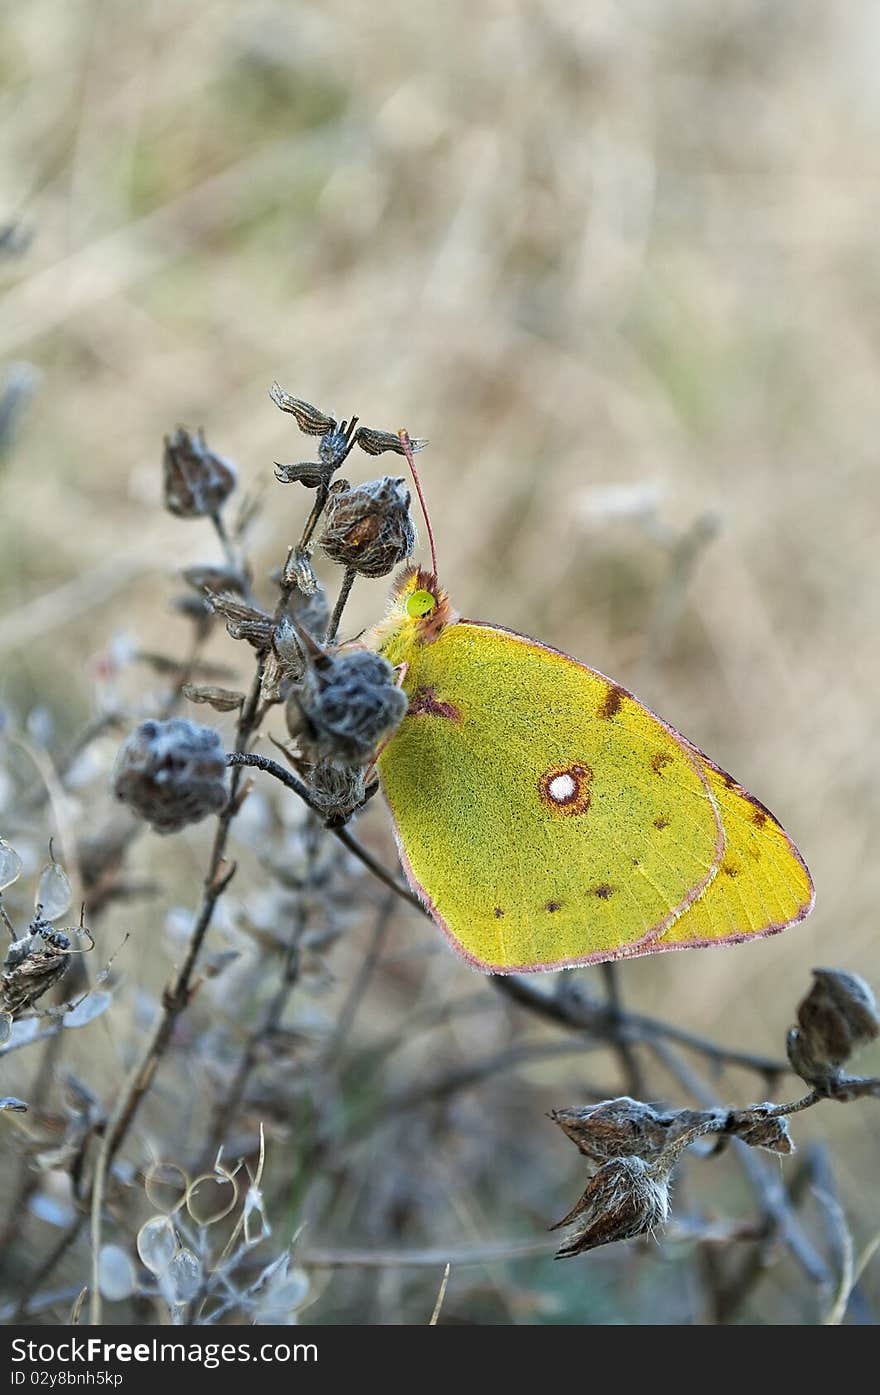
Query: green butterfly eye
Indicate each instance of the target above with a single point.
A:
(420, 603)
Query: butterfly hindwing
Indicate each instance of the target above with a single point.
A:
(762, 884)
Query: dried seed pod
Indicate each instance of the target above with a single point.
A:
(32, 965)
(838, 1015)
(345, 705)
(171, 773)
(377, 442)
(308, 418)
(625, 1198)
(759, 1128)
(215, 577)
(221, 699)
(311, 473)
(197, 480)
(618, 1128)
(244, 621)
(336, 789)
(369, 528)
(298, 574)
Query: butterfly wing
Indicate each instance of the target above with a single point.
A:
(762, 885)
(545, 816)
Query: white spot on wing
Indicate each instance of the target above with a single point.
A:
(562, 788)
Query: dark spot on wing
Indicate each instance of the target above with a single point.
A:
(661, 821)
(612, 702)
(498, 913)
(603, 891)
(554, 906)
(659, 759)
(425, 703)
(730, 868)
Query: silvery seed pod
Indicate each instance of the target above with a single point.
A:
(345, 705)
(171, 773)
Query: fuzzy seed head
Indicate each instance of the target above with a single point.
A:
(171, 773)
(345, 706)
(369, 527)
(625, 1198)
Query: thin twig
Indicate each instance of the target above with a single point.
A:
(176, 997)
(341, 600)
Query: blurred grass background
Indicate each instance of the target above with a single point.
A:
(618, 262)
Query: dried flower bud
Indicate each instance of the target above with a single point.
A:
(838, 1015)
(244, 621)
(311, 473)
(369, 527)
(221, 699)
(625, 1198)
(171, 773)
(345, 705)
(336, 789)
(214, 576)
(298, 573)
(757, 1127)
(308, 418)
(377, 442)
(197, 481)
(32, 965)
(619, 1128)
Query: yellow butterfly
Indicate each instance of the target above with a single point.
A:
(547, 818)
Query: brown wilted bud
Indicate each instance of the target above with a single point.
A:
(369, 528)
(345, 705)
(618, 1128)
(171, 773)
(838, 1015)
(625, 1198)
(32, 965)
(197, 481)
(759, 1128)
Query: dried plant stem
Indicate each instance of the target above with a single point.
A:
(228, 1107)
(583, 1015)
(321, 495)
(272, 767)
(632, 1071)
(225, 541)
(175, 999)
(341, 600)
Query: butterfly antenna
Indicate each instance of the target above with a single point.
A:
(406, 447)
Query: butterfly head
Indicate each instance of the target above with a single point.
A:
(418, 612)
